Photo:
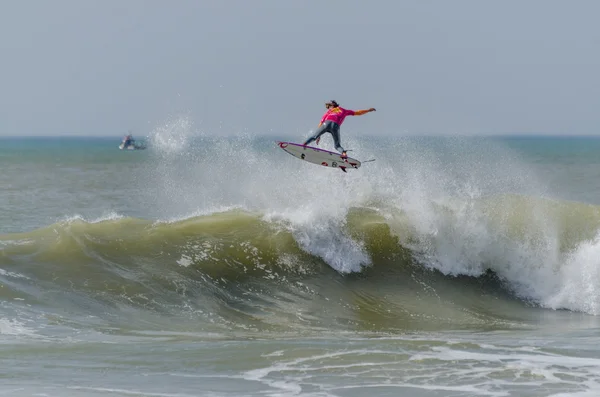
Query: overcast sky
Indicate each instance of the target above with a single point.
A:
(267, 66)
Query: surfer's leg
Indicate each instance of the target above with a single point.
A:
(320, 131)
(335, 132)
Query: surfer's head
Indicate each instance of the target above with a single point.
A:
(331, 104)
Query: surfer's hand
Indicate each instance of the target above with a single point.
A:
(372, 110)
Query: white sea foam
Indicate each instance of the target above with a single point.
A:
(391, 364)
(14, 327)
(447, 203)
(108, 216)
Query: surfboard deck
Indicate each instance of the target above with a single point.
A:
(318, 156)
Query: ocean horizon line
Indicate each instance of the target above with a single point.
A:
(283, 136)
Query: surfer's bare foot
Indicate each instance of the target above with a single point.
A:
(344, 156)
(318, 140)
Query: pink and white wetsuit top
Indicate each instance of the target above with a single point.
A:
(337, 115)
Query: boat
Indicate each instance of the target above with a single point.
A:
(128, 143)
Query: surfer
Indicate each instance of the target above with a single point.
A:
(331, 122)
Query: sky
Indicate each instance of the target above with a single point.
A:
(102, 67)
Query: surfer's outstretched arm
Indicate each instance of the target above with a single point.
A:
(361, 112)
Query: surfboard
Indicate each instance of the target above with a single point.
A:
(319, 156)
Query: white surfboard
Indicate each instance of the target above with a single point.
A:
(319, 156)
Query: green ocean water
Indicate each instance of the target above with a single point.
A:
(450, 266)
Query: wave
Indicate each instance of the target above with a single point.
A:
(541, 251)
(219, 244)
(424, 238)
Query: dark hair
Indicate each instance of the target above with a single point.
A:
(334, 103)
